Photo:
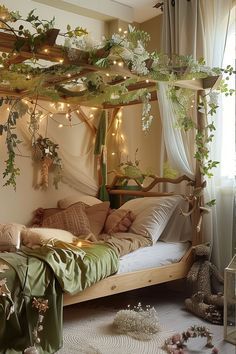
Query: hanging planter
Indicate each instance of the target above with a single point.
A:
(46, 152)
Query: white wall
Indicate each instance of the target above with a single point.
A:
(18, 206)
(62, 18)
(148, 144)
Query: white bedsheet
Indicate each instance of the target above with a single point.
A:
(160, 254)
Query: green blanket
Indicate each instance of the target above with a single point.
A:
(46, 273)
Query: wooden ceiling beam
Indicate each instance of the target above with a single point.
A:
(81, 115)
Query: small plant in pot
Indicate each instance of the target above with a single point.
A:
(131, 170)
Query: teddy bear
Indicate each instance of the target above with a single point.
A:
(206, 301)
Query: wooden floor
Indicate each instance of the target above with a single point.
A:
(169, 304)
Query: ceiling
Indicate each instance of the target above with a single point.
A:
(143, 9)
(126, 10)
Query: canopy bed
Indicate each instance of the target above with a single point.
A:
(108, 82)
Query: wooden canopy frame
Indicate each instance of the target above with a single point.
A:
(54, 53)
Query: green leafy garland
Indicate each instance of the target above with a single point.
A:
(130, 50)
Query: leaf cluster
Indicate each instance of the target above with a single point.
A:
(12, 141)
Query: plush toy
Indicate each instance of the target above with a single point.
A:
(206, 301)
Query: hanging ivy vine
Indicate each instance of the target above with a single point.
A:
(17, 110)
(183, 101)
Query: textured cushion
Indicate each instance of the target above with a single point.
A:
(86, 199)
(40, 214)
(10, 236)
(151, 214)
(35, 237)
(97, 215)
(119, 220)
(72, 219)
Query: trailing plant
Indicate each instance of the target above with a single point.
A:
(16, 111)
(40, 29)
(184, 102)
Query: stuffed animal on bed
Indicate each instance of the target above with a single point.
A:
(205, 302)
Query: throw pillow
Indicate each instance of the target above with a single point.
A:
(86, 199)
(10, 237)
(151, 214)
(36, 237)
(97, 215)
(40, 214)
(119, 220)
(72, 219)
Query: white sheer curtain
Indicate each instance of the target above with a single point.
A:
(199, 28)
(222, 186)
(175, 141)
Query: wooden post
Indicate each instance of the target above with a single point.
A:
(199, 183)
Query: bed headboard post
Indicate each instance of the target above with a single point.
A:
(199, 182)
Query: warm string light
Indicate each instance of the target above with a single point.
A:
(119, 137)
(60, 106)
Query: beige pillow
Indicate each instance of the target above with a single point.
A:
(151, 214)
(86, 199)
(10, 236)
(72, 219)
(97, 215)
(36, 237)
(118, 220)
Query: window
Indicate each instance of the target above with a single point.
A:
(228, 150)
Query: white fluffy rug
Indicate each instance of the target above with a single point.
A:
(96, 336)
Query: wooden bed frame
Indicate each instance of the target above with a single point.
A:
(119, 283)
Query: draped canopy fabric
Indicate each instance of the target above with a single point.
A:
(175, 140)
(76, 152)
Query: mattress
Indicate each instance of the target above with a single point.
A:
(160, 254)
